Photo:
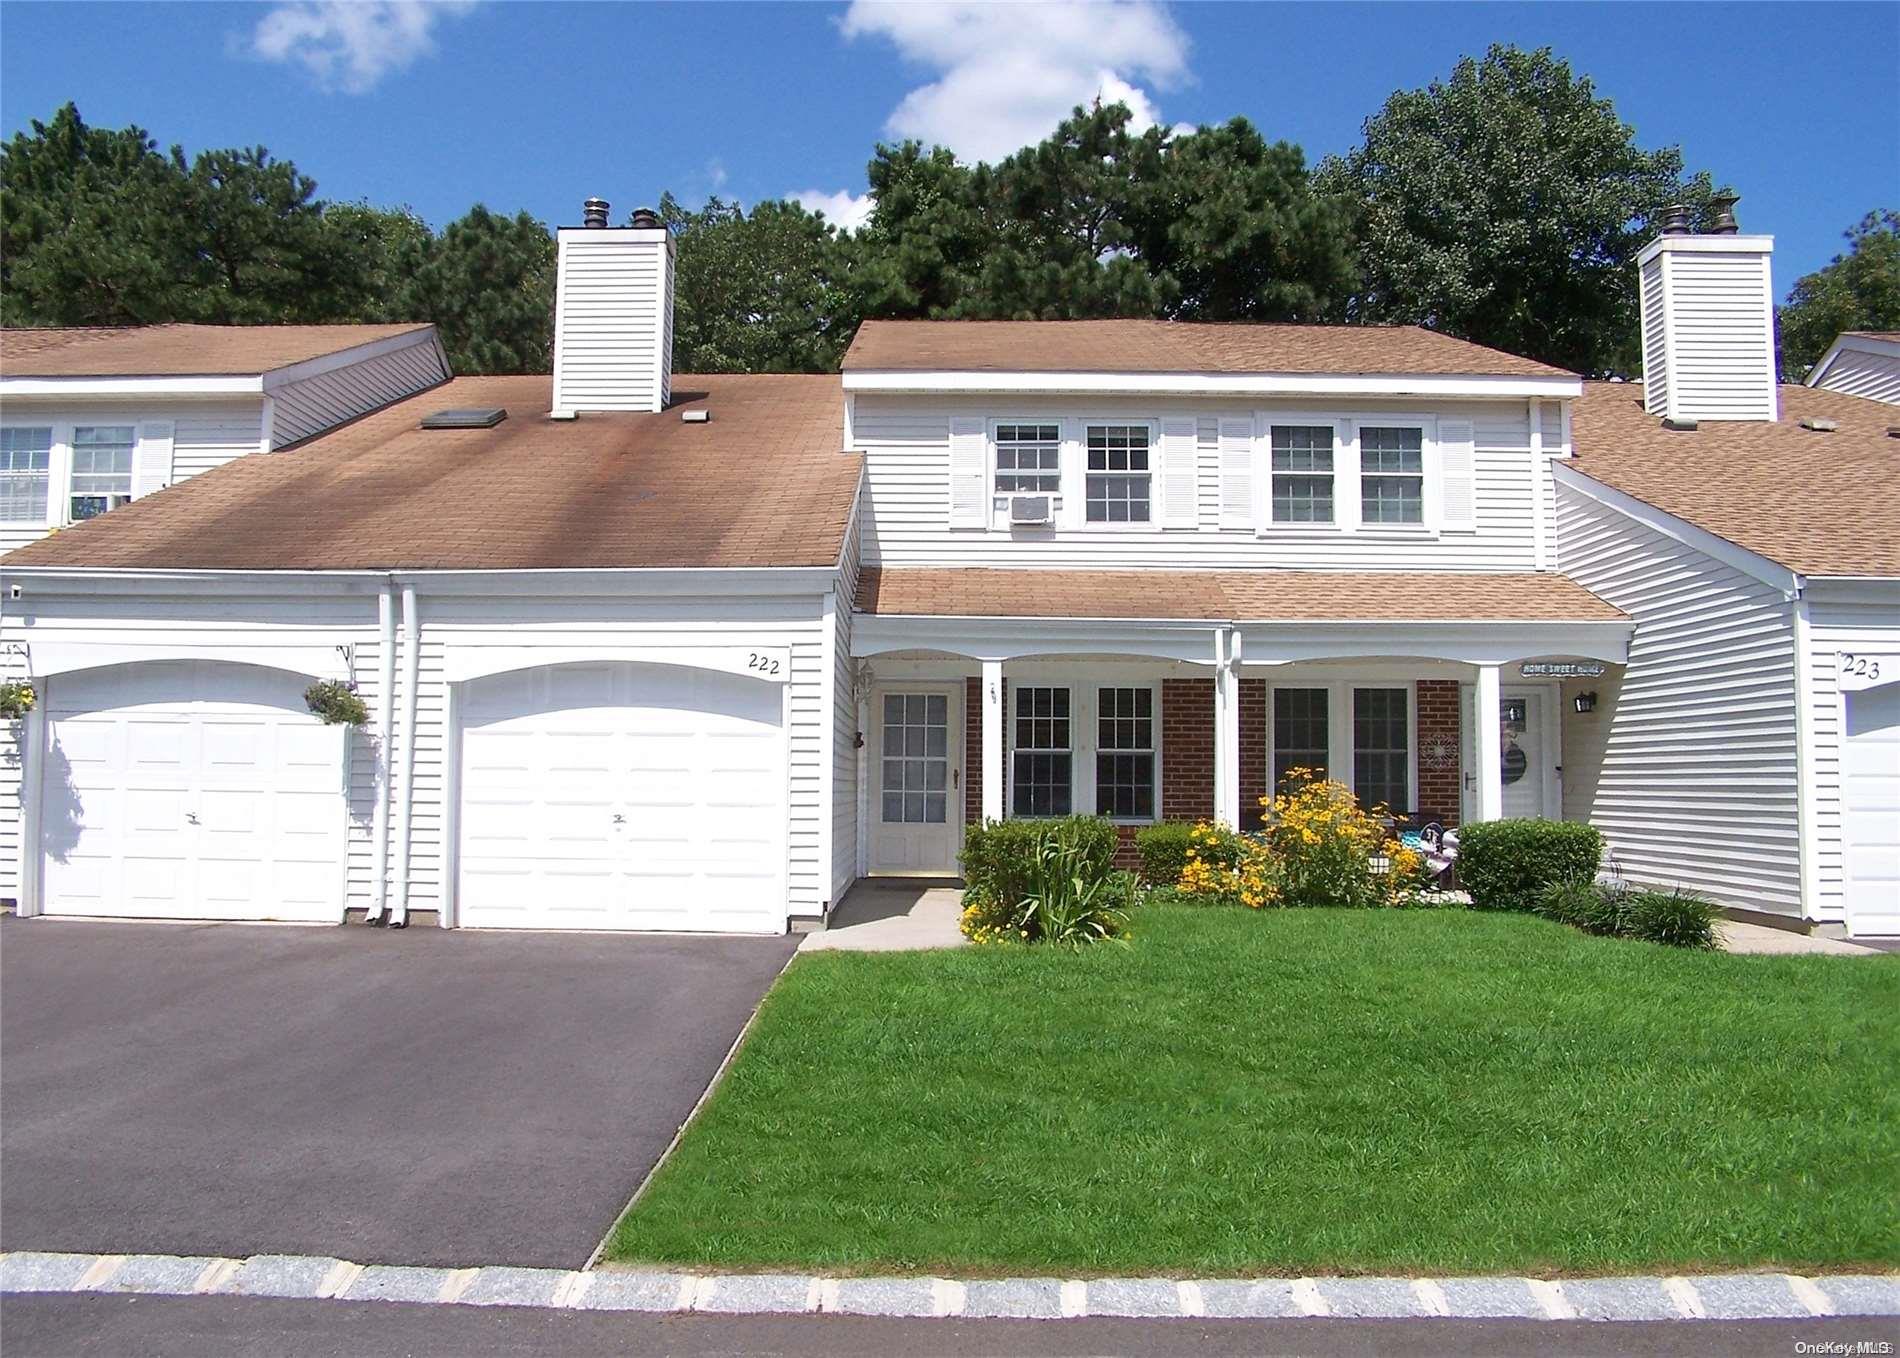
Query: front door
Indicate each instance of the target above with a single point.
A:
(1525, 760)
(917, 813)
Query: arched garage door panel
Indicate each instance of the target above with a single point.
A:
(190, 790)
(622, 796)
(1870, 796)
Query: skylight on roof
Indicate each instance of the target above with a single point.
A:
(473, 417)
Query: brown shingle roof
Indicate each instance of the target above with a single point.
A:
(1247, 596)
(1150, 346)
(1820, 504)
(762, 484)
(178, 350)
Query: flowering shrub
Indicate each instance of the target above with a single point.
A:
(1044, 881)
(1228, 868)
(16, 699)
(1332, 851)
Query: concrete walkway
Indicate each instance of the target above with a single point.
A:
(890, 914)
(1759, 938)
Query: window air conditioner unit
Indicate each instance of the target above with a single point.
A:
(1029, 509)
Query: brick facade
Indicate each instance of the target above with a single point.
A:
(1254, 774)
(1187, 749)
(1440, 750)
(972, 751)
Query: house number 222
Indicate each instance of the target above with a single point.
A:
(764, 664)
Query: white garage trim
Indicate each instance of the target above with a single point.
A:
(317, 660)
(628, 670)
(769, 663)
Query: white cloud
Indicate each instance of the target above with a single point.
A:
(350, 45)
(1010, 72)
(843, 208)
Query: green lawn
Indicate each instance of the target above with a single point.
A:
(1301, 1090)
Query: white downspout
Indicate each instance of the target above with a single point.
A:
(411, 670)
(385, 715)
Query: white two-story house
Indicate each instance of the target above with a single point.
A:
(645, 650)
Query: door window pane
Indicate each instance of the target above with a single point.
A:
(1041, 771)
(1381, 755)
(915, 763)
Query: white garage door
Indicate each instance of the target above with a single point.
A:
(190, 790)
(1870, 806)
(622, 796)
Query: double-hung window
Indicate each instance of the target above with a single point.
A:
(102, 468)
(1118, 488)
(1302, 473)
(1042, 776)
(1028, 459)
(1125, 753)
(1391, 474)
(26, 462)
(1381, 748)
(1301, 733)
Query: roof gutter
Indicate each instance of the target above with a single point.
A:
(1473, 386)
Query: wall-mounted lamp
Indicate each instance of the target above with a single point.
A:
(857, 741)
(1586, 702)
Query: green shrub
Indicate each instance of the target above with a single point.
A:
(1163, 849)
(999, 856)
(1681, 919)
(1509, 864)
(1677, 918)
(1044, 881)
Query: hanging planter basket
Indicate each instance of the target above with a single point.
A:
(16, 699)
(335, 703)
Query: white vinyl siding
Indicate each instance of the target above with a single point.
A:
(314, 404)
(613, 333)
(910, 472)
(1832, 629)
(1655, 338)
(844, 720)
(1688, 763)
(1856, 372)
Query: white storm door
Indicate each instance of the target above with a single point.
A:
(1524, 756)
(190, 790)
(1870, 811)
(622, 796)
(916, 814)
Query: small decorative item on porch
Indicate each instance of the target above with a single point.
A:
(334, 701)
(16, 699)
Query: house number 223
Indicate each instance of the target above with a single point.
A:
(1860, 666)
(764, 664)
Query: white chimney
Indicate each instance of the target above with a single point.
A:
(1708, 322)
(613, 314)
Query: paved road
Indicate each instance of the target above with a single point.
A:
(197, 1327)
(412, 1096)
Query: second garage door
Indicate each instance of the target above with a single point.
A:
(1870, 797)
(622, 796)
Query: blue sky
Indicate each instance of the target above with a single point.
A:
(442, 104)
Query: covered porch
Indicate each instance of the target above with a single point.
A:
(968, 717)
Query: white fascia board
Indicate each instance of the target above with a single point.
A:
(1178, 639)
(636, 233)
(724, 582)
(131, 386)
(1214, 384)
(356, 353)
(1861, 344)
(1471, 641)
(1706, 245)
(1749, 563)
(1853, 589)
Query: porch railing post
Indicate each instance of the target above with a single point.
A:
(992, 740)
(1489, 745)
(1226, 728)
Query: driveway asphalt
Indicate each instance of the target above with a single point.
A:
(418, 1096)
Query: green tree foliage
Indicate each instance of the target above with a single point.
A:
(1859, 290)
(758, 291)
(1507, 205)
(488, 284)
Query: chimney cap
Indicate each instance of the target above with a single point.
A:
(1723, 205)
(594, 212)
(1676, 220)
(645, 219)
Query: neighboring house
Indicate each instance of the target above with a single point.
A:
(1861, 363)
(93, 418)
(646, 650)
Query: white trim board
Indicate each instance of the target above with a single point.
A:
(1214, 384)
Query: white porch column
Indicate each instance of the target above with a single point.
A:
(1226, 728)
(992, 739)
(1489, 745)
